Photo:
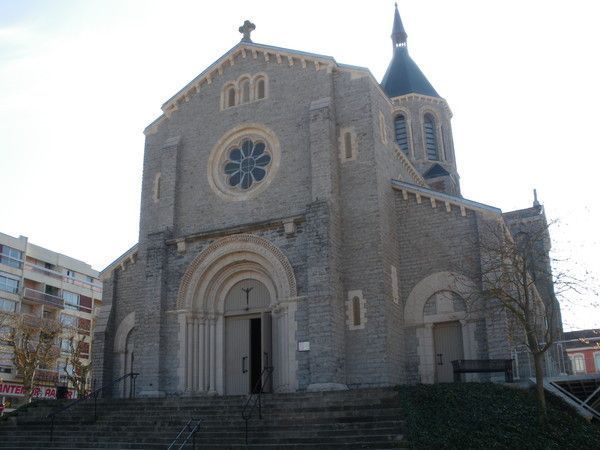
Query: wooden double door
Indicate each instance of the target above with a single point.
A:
(248, 351)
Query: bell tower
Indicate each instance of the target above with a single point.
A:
(422, 126)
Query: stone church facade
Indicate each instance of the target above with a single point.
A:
(298, 214)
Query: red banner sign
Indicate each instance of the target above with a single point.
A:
(43, 392)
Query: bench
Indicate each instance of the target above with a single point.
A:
(483, 365)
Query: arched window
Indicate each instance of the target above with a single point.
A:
(347, 145)
(245, 91)
(230, 97)
(356, 311)
(431, 145)
(401, 132)
(260, 88)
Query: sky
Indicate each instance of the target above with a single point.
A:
(80, 80)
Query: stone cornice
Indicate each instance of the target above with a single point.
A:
(128, 257)
(416, 176)
(424, 98)
(446, 200)
(244, 228)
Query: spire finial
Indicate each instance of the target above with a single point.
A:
(247, 28)
(398, 34)
(535, 199)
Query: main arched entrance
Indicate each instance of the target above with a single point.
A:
(236, 308)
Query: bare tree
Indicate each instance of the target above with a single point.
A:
(33, 341)
(517, 278)
(77, 368)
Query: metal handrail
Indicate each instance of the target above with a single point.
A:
(95, 394)
(582, 403)
(191, 434)
(256, 395)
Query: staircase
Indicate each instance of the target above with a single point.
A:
(365, 418)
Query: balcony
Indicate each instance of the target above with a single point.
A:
(43, 298)
(48, 272)
(94, 286)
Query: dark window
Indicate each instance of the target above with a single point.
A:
(401, 133)
(231, 97)
(245, 91)
(260, 89)
(356, 311)
(348, 145)
(431, 145)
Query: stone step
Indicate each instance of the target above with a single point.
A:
(349, 419)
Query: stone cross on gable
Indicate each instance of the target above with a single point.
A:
(246, 29)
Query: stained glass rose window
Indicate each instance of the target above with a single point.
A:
(247, 164)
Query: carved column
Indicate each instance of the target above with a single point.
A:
(201, 361)
(189, 357)
(213, 355)
(195, 360)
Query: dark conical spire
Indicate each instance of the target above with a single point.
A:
(403, 76)
(398, 34)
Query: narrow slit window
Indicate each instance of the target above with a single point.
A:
(431, 145)
(347, 145)
(401, 133)
(157, 187)
(355, 311)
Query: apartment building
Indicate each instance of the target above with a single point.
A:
(39, 283)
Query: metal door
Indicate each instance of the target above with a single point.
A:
(448, 345)
(237, 355)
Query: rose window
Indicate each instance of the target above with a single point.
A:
(247, 164)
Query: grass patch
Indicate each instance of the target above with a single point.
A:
(487, 415)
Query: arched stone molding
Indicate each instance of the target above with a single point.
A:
(217, 179)
(123, 351)
(123, 330)
(414, 317)
(424, 289)
(201, 310)
(223, 252)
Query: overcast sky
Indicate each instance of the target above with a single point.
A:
(80, 80)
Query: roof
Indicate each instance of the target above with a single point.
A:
(436, 171)
(523, 213)
(403, 76)
(447, 199)
(243, 46)
(581, 334)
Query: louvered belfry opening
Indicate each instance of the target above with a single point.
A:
(430, 137)
(401, 132)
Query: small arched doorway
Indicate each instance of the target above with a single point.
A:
(248, 346)
(438, 314)
(124, 354)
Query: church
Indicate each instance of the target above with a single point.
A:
(296, 213)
